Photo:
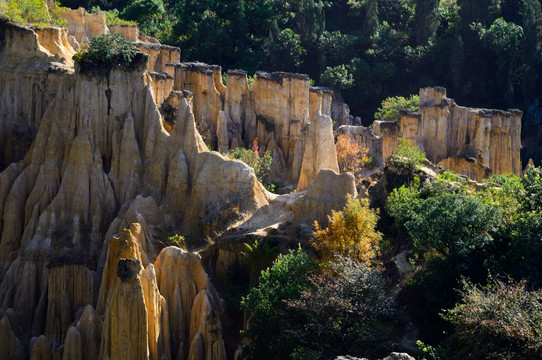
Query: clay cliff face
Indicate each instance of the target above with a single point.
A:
(278, 110)
(474, 142)
(95, 159)
(96, 168)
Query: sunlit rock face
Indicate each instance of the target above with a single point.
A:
(470, 141)
(89, 177)
(279, 112)
(97, 165)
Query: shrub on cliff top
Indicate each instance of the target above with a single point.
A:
(407, 157)
(392, 106)
(107, 51)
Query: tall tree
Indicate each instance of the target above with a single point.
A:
(426, 20)
(370, 25)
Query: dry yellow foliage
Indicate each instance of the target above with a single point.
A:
(351, 156)
(351, 231)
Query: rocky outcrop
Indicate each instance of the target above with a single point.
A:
(278, 111)
(474, 142)
(194, 313)
(329, 191)
(319, 152)
(86, 157)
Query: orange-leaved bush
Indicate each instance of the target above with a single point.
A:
(351, 156)
(351, 232)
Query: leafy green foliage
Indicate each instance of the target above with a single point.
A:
(451, 223)
(407, 157)
(338, 76)
(501, 320)
(266, 308)
(32, 12)
(176, 240)
(107, 51)
(299, 311)
(464, 230)
(140, 10)
(444, 216)
(502, 36)
(532, 181)
(150, 15)
(112, 17)
(349, 309)
(260, 161)
(392, 106)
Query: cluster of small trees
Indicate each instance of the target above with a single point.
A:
(458, 230)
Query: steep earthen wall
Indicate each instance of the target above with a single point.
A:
(278, 111)
(98, 159)
(475, 142)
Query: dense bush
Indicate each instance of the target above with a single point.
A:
(532, 181)
(266, 307)
(299, 311)
(351, 156)
(351, 231)
(348, 310)
(32, 12)
(448, 223)
(112, 17)
(259, 160)
(502, 320)
(407, 157)
(339, 76)
(444, 216)
(107, 51)
(392, 107)
(459, 229)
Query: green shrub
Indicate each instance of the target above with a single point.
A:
(108, 51)
(338, 76)
(176, 240)
(392, 106)
(532, 181)
(302, 311)
(448, 222)
(32, 12)
(407, 157)
(347, 310)
(266, 307)
(502, 320)
(112, 17)
(260, 161)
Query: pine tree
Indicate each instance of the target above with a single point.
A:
(426, 20)
(370, 25)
